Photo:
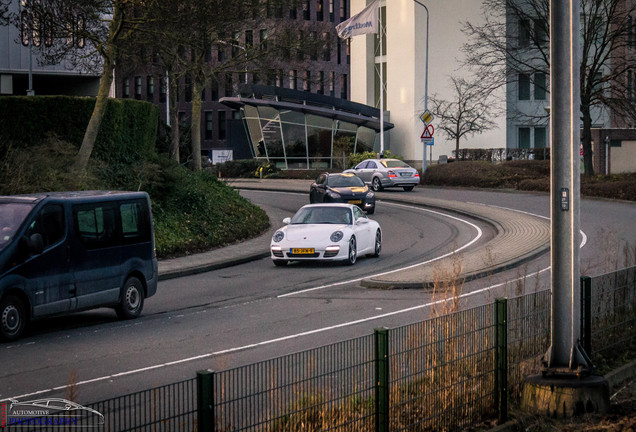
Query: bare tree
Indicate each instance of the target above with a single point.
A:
(466, 114)
(513, 41)
(210, 40)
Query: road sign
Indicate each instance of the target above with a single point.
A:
(428, 141)
(428, 132)
(426, 117)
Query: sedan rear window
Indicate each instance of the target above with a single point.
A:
(395, 163)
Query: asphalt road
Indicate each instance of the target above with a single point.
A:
(243, 314)
(233, 316)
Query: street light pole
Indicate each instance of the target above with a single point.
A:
(425, 85)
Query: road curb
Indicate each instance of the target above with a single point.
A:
(520, 237)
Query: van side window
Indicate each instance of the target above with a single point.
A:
(49, 223)
(135, 223)
(96, 225)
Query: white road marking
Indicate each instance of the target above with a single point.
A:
(297, 335)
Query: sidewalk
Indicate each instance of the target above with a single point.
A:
(520, 237)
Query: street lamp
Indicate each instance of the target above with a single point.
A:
(425, 86)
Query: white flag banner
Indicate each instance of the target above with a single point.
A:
(362, 23)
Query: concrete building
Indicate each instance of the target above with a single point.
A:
(404, 60)
(21, 65)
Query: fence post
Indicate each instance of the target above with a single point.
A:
(586, 312)
(205, 400)
(501, 358)
(381, 336)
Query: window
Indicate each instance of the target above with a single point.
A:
(319, 10)
(313, 40)
(332, 83)
(524, 33)
(279, 78)
(331, 17)
(126, 89)
(263, 39)
(540, 32)
(292, 13)
(321, 83)
(524, 137)
(96, 225)
(343, 10)
(326, 55)
(338, 45)
(348, 42)
(540, 86)
(150, 88)
(208, 125)
(228, 84)
(344, 87)
(222, 125)
(306, 10)
(524, 86)
(49, 223)
(163, 91)
(220, 55)
(300, 54)
(307, 81)
(292, 79)
(137, 87)
(630, 84)
(540, 137)
(135, 222)
(214, 90)
(249, 38)
(188, 89)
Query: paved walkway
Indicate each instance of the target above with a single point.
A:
(519, 237)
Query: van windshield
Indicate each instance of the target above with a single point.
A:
(11, 217)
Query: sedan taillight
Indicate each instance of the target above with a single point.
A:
(392, 174)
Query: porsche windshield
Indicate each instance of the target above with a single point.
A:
(322, 215)
(11, 217)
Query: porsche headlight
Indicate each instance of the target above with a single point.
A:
(278, 236)
(333, 194)
(336, 236)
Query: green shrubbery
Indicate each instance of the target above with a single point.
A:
(192, 212)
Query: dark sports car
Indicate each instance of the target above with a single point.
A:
(342, 188)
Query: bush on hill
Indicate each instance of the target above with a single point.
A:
(525, 175)
(193, 212)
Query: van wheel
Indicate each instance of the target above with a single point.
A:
(132, 299)
(13, 318)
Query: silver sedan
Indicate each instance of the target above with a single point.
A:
(384, 173)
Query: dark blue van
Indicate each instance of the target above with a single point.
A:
(63, 252)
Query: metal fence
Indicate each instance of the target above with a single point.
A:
(502, 154)
(609, 314)
(445, 373)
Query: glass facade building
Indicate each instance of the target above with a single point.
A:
(299, 130)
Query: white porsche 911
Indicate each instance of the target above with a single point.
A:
(326, 232)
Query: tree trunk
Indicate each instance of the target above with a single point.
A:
(587, 142)
(195, 129)
(88, 143)
(457, 148)
(174, 118)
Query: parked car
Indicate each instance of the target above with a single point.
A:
(342, 188)
(70, 251)
(328, 232)
(385, 173)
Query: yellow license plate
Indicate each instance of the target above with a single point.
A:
(302, 251)
(355, 202)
